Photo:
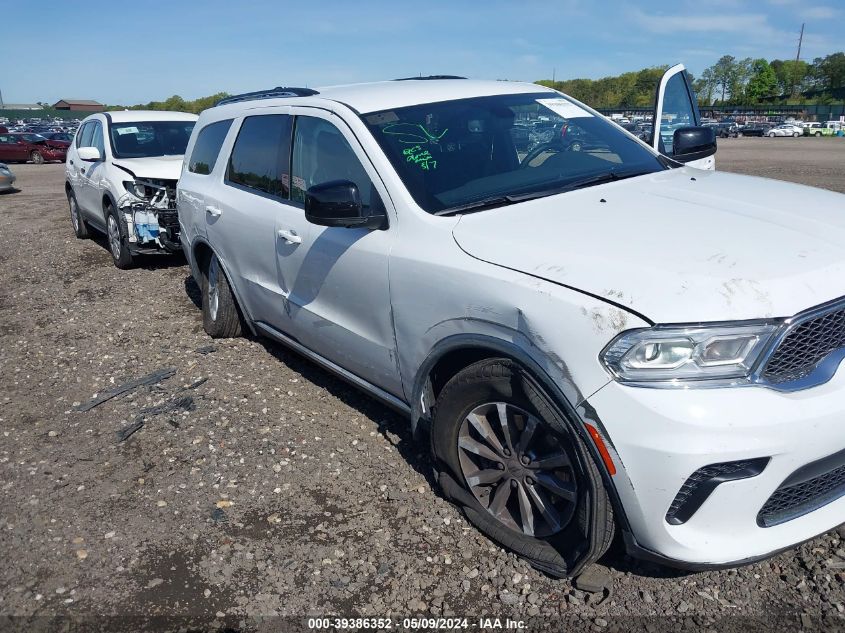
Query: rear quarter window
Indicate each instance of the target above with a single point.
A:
(207, 147)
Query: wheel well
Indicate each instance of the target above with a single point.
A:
(202, 254)
(454, 361)
(68, 188)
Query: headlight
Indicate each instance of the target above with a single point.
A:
(136, 189)
(676, 355)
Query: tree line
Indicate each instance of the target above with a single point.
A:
(729, 81)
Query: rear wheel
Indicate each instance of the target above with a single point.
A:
(36, 157)
(818, 133)
(524, 477)
(79, 226)
(220, 317)
(772, 135)
(118, 240)
(795, 135)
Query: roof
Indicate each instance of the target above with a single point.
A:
(384, 95)
(87, 102)
(371, 97)
(21, 106)
(130, 116)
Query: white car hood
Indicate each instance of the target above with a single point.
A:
(156, 167)
(678, 246)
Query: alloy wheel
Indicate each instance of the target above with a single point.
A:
(517, 469)
(37, 158)
(213, 290)
(114, 237)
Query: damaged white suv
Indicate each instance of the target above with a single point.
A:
(597, 335)
(121, 174)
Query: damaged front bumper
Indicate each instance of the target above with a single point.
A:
(149, 211)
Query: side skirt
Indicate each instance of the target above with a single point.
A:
(378, 393)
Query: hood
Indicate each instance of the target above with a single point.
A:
(154, 167)
(677, 246)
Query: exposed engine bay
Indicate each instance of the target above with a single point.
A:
(149, 209)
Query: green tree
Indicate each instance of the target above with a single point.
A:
(763, 83)
(830, 71)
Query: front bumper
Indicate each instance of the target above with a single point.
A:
(7, 182)
(662, 436)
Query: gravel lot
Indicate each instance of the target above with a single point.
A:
(273, 489)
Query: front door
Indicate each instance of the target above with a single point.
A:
(89, 194)
(340, 293)
(676, 107)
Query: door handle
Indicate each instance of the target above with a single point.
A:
(214, 212)
(290, 236)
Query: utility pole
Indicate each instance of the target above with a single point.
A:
(800, 40)
(553, 76)
(1, 100)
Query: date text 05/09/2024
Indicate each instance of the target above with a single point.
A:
(483, 624)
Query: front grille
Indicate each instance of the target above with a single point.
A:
(704, 481)
(791, 501)
(808, 343)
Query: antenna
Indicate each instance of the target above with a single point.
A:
(800, 40)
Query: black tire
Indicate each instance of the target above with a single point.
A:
(220, 315)
(36, 157)
(80, 229)
(589, 530)
(818, 134)
(117, 238)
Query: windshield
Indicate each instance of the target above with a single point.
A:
(154, 138)
(454, 153)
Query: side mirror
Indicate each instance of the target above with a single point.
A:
(338, 203)
(693, 143)
(89, 154)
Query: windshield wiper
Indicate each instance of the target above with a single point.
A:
(501, 201)
(478, 205)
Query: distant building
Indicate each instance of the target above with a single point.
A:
(20, 106)
(79, 105)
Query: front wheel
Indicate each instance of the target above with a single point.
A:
(118, 241)
(80, 229)
(818, 134)
(795, 135)
(36, 157)
(772, 135)
(525, 478)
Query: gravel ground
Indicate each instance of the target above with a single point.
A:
(271, 488)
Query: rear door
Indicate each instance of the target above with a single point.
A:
(676, 106)
(10, 149)
(244, 212)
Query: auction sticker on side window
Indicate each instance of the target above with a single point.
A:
(564, 108)
(126, 130)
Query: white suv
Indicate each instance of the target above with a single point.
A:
(121, 174)
(597, 336)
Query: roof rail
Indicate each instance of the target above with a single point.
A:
(428, 77)
(272, 93)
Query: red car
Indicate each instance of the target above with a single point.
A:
(32, 147)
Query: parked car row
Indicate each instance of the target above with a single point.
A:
(516, 274)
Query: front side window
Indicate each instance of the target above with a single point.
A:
(152, 138)
(456, 153)
(97, 139)
(321, 154)
(209, 141)
(261, 156)
(83, 137)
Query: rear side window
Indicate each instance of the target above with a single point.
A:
(207, 147)
(261, 156)
(83, 137)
